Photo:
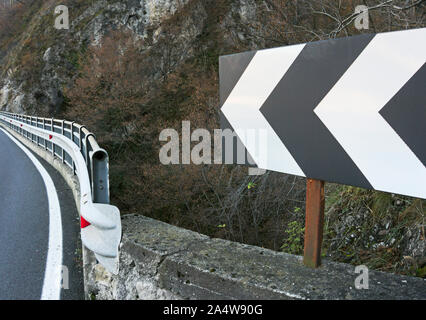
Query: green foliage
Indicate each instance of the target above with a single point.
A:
(381, 204)
(251, 185)
(370, 227)
(167, 104)
(294, 242)
(421, 272)
(72, 56)
(208, 59)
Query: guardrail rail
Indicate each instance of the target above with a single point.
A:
(76, 146)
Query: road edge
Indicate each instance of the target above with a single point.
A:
(72, 181)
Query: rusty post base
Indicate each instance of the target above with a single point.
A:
(314, 224)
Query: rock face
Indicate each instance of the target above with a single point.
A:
(44, 94)
(89, 22)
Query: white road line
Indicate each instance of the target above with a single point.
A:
(52, 276)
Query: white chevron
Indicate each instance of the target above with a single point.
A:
(242, 107)
(351, 112)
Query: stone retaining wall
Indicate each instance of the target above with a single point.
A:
(161, 261)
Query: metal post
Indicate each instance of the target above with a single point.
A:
(88, 160)
(53, 130)
(26, 121)
(44, 128)
(314, 224)
(38, 141)
(72, 138)
(80, 134)
(31, 123)
(63, 151)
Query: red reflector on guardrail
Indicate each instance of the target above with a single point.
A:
(50, 137)
(84, 223)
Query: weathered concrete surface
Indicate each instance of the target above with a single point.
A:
(160, 261)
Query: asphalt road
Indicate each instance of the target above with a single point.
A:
(24, 227)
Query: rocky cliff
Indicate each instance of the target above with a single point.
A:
(42, 61)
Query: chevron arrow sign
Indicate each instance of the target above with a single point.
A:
(351, 110)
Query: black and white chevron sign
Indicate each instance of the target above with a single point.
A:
(351, 110)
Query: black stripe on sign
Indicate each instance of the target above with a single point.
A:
(231, 68)
(290, 109)
(406, 113)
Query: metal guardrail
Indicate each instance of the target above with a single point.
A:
(77, 148)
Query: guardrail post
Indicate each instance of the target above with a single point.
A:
(88, 160)
(37, 138)
(53, 130)
(44, 128)
(99, 175)
(72, 139)
(63, 151)
(25, 120)
(31, 124)
(80, 135)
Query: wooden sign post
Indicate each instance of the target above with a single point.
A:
(314, 224)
